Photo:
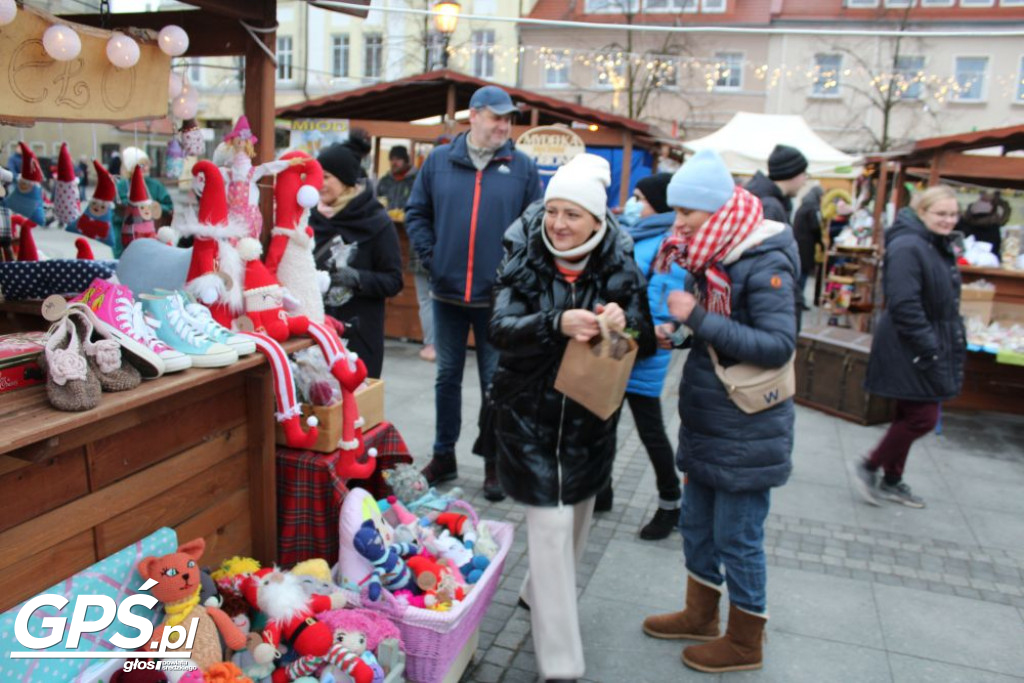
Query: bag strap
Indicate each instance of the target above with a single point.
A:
(719, 370)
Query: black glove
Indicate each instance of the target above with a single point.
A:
(345, 277)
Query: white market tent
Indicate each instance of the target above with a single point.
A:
(746, 141)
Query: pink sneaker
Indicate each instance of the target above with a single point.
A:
(116, 310)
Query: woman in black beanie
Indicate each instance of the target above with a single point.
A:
(356, 242)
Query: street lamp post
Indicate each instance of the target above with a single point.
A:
(446, 16)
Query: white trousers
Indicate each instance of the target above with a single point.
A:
(556, 538)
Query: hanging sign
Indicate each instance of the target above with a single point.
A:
(550, 147)
(312, 135)
(36, 87)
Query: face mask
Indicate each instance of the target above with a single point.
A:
(631, 211)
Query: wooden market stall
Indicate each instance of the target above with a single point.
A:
(386, 110)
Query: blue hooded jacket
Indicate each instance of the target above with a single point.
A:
(648, 376)
(456, 217)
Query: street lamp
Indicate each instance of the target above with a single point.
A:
(446, 16)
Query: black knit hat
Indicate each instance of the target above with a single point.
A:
(653, 188)
(340, 162)
(399, 152)
(786, 162)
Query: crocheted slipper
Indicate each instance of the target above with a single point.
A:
(70, 384)
(104, 355)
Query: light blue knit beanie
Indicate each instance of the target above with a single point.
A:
(703, 183)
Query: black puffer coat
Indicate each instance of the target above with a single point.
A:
(550, 448)
(919, 345)
(777, 206)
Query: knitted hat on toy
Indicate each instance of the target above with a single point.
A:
(138, 195)
(241, 131)
(31, 171)
(213, 205)
(258, 279)
(65, 165)
(296, 189)
(105, 190)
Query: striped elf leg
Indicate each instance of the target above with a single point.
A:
(289, 413)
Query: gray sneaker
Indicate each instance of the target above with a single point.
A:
(900, 493)
(865, 482)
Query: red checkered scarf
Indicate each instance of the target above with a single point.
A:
(702, 253)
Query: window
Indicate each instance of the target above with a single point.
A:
(435, 51)
(713, 5)
(1011, 3)
(615, 6)
(195, 72)
(483, 53)
(858, 4)
(826, 75)
(899, 3)
(556, 70)
(1020, 81)
(610, 71)
(284, 58)
(909, 72)
(670, 5)
(339, 55)
(970, 78)
(666, 73)
(977, 3)
(728, 70)
(936, 3)
(373, 54)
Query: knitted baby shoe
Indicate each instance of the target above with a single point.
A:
(70, 384)
(104, 355)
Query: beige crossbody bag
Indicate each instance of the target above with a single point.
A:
(753, 388)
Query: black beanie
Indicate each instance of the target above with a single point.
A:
(399, 152)
(340, 162)
(786, 162)
(653, 188)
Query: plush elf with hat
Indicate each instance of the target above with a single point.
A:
(26, 196)
(95, 221)
(66, 202)
(138, 217)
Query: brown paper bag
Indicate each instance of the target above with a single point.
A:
(595, 373)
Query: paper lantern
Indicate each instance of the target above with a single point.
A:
(186, 104)
(8, 9)
(173, 40)
(122, 51)
(61, 42)
(174, 85)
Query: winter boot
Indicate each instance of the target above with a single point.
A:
(738, 650)
(441, 468)
(492, 489)
(699, 621)
(661, 525)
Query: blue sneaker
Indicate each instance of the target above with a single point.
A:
(200, 318)
(171, 323)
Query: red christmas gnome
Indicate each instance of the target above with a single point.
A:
(95, 219)
(138, 219)
(66, 204)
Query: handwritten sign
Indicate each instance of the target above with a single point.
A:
(312, 135)
(36, 87)
(550, 147)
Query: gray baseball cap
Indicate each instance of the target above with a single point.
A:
(494, 98)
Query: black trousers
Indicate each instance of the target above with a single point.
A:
(647, 415)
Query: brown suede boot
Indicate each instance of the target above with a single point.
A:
(699, 621)
(738, 650)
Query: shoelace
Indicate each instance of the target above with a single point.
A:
(133, 322)
(177, 317)
(200, 315)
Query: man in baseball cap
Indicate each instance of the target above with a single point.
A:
(494, 98)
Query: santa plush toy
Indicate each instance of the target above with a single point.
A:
(138, 218)
(95, 219)
(291, 616)
(26, 197)
(66, 204)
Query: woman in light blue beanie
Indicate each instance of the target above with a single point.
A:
(742, 269)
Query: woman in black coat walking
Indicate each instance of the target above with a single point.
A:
(349, 220)
(565, 263)
(918, 350)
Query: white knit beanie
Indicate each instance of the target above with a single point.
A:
(584, 181)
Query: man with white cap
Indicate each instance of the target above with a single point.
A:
(465, 196)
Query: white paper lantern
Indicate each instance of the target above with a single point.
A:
(186, 104)
(174, 85)
(122, 51)
(8, 9)
(173, 40)
(61, 42)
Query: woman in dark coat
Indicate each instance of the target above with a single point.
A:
(807, 230)
(564, 263)
(365, 277)
(919, 345)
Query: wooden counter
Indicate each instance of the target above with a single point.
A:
(192, 450)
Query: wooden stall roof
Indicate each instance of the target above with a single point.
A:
(946, 157)
(425, 95)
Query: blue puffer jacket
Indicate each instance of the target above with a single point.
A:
(720, 445)
(457, 215)
(648, 376)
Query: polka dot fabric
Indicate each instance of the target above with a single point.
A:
(39, 279)
(115, 576)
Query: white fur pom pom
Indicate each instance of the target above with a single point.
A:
(249, 249)
(372, 452)
(307, 197)
(168, 236)
(312, 421)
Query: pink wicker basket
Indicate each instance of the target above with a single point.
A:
(434, 639)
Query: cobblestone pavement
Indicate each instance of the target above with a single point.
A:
(855, 592)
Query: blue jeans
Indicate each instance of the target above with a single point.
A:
(722, 528)
(451, 334)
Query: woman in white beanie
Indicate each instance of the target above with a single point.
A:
(565, 263)
(743, 268)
